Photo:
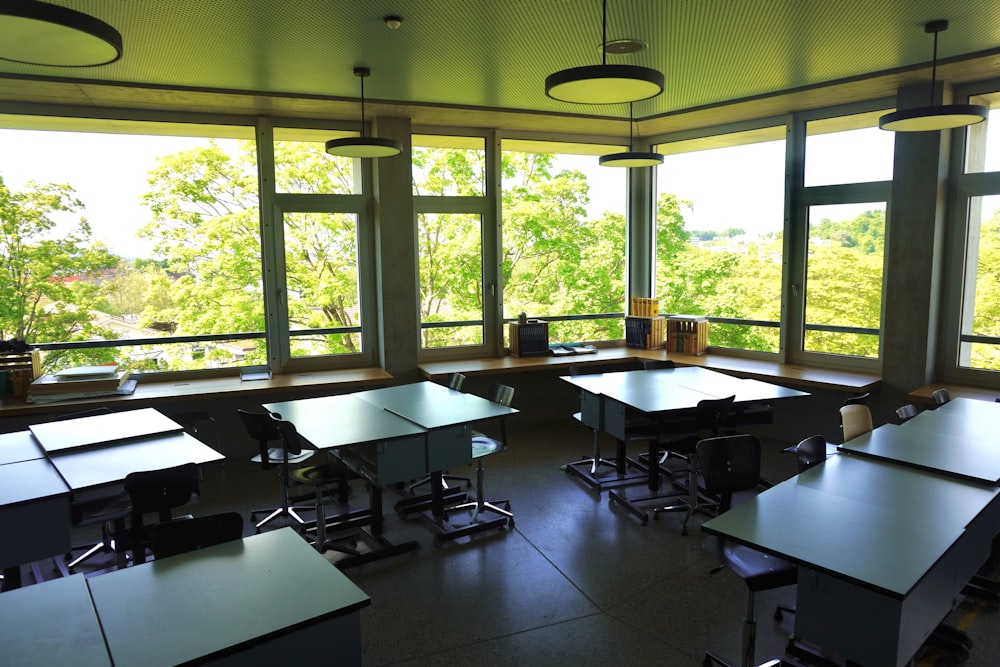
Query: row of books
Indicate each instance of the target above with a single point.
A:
(81, 382)
(645, 307)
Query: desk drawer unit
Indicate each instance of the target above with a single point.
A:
(34, 513)
(388, 461)
(449, 447)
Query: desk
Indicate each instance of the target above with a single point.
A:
(256, 601)
(34, 516)
(956, 439)
(19, 446)
(608, 398)
(51, 623)
(35, 493)
(418, 428)
(894, 541)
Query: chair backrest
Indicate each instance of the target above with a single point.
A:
(857, 399)
(181, 535)
(811, 452)
(941, 396)
(161, 491)
(906, 412)
(855, 420)
(263, 428)
(500, 393)
(657, 364)
(455, 381)
(200, 425)
(711, 414)
(294, 444)
(729, 463)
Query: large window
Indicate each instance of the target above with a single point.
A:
(322, 247)
(564, 239)
(449, 186)
(978, 344)
(140, 247)
(847, 179)
(719, 234)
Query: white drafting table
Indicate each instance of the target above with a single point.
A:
(102, 429)
(51, 623)
(893, 542)
(262, 600)
(89, 467)
(331, 422)
(19, 446)
(956, 439)
(34, 513)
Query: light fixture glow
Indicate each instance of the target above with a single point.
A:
(934, 116)
(38, 33)
(630, 158)
(604, 84)
(363, 146)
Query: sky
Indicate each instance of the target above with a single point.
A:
(736, 187)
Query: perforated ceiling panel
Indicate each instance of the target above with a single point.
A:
(496, 54)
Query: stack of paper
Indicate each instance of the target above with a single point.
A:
(81, 382)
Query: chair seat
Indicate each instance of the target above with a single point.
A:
(760, 571)
(277, 455)
(319, 475)
(483, 445)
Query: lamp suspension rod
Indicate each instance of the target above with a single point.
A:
(631, 121)
(362, 105)
(604, 32)
(937, 31)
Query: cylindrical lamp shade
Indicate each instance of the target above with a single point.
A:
(927, 119)
(604, 84)
(364, 147)
(631, 159)
(38, 33)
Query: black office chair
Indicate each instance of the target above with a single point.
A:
(710, 418)
(182, 535)
(455, 381)
(657, 364)
(811, 452)
(107, 506)
(318, 477)
(157, 492)
(483, 446)
(731, 464)
(274, 453)
(941, 396)
(905, 413)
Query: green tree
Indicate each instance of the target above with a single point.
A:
(42, 296)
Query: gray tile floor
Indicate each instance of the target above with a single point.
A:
(575, 581)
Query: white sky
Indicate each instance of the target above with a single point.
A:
(108, 173)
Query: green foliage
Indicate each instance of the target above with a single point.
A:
(42, 296)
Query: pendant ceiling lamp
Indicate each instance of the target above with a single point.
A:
(934, 116)
(363, 146)
(604, 83)
(631, 158)
(38, 33)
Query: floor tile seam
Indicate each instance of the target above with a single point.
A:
(558, 569)
(653, 637)
(484, 640)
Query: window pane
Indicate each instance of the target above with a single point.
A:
(321, 269)
(844, 278)
(449, 166)
(983, 139)
(835, 146)
(451, 278)
(564, 240)
(719, 229)
(133, 236)
(981, 305)
(302, 165)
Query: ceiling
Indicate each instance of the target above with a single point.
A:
(486, 61)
